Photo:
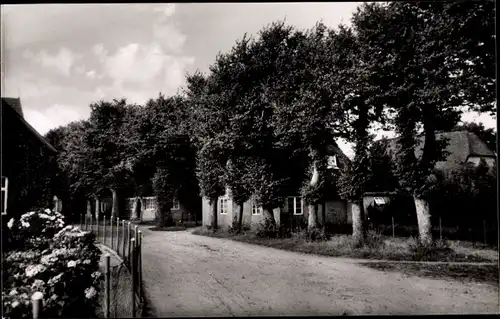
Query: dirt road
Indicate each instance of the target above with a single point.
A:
(189, 275)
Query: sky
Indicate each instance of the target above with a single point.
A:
(59, 58)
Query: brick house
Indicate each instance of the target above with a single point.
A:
(26, 161)
(293, 211)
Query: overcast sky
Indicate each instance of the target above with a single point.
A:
(59, 58)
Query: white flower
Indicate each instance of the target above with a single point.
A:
(47, 211)
(38, 283)
(32, 270)
(25, 224)
(96, 274)
(13, 292)
(90, 292)
(10, 223)
(71, 263)
(15, 304)
(55, 279)
(86, 261)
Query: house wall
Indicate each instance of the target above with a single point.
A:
(150, 213)
(490, 161)
(337, 211)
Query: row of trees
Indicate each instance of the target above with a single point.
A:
(261, 121)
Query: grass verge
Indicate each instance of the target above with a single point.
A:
(487, 274)
(396, 249)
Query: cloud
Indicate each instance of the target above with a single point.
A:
(54, 116)
(62, 61)
(91, 74)
(168, 9)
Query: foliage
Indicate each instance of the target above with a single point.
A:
(267, 229)
(63, 266)
(34, 230)
(162, 186)
(432, 64)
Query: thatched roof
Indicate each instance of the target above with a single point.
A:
(461, 146)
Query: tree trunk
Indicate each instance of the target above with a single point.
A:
(358, 224)
(213, 208)
(97, 205)
(115, 206)
(424, 220)
(240, 218)
(312, 221)
(89, 207)
(268, 214)
(323, 215)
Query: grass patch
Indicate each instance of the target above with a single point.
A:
(377, 247)
(487, 274)
(169, 228)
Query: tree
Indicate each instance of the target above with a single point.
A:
(239, 181)
(108, 149)
(434, 64)
(164, 147)
(207, 132)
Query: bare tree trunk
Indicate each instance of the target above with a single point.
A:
(358, 224)
(240, 218)
(268, 214)
(89, 207)
(424, 220)
(115, 208)
(312, 220)
(323, 215)
(213, 208)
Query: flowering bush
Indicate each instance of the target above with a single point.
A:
(63, 266)
(34, 229)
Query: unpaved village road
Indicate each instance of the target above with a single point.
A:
(189, 275)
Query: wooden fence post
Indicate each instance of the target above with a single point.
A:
(91, 223)
(118, 235)
(134, 279)
(393, 231)
(107, 286)
(440, 229)
(123, 238)
(81, 220)
(104, 225)
(139, 263)
(85, 222)
(129, 237)
(97, 236)
(36, 301)
(484, 232)
(112, 237)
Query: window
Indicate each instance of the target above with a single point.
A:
(256, 210)
(5, 186)
(175, 204)
(332, 162)
(294, 204)
(223, 206)
(148, 203)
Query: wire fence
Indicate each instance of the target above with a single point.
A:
(123, 292)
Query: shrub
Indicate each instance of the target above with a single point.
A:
(317, 234)
(374, 239)
(34, 229)
(267, 229)
(428, 252)
(63, 267)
